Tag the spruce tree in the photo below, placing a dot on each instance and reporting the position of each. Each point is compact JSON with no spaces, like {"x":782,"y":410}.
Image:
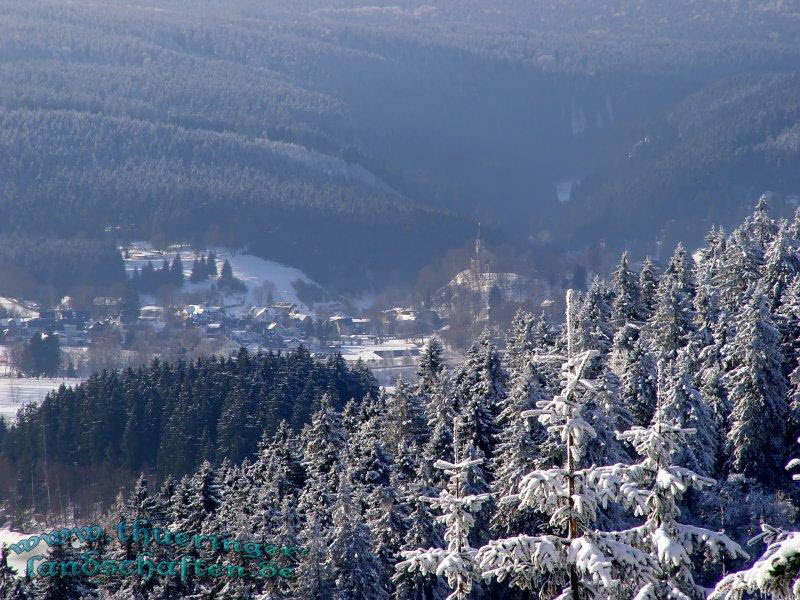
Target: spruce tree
{"x":671,"y":326}
{"x":521,"y":447}
{"x":583,"y":562}
{"x":681,"y":404}
{"x":626,"y":306}
{"x":636,"y":369}
{"x":757,"y":393}
{"x":648,"y":287}
{"x":176,"y":271}
{"x":457,"y":562}
{"x":357,"y":571}
{"x":660,"y":484}
{"x":431,"y":370}
{"x":12,"y":587}
{"x":323,"y":445}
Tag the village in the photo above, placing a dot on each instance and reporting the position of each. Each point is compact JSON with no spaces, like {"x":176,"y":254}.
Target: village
{"x":248,"y":302}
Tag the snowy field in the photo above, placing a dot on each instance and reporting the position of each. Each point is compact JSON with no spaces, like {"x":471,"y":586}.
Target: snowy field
{"x":18,"y":309}
{"x":252,"y":270}
{"x":18,"y":560}
{"x":16,"y":392}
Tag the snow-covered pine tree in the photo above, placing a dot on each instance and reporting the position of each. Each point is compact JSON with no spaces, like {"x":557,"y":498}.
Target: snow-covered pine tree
{"x":626,"y":307}
{"x":757,"y":393}
{"x":781,"y":266}
{"x":593,"y":328}
{"x":741,"y":268}
{"x":759,"y":226}
{"x":315,"y":579}
{"x":368,"y":462}
{"x":636,"y":369}
{"x":356,"y":570}
{"x":62,"y":586}
{"x":422,"y":532}
{"x":519,"y":342}
{"x":480,"y":392}
{"x":405,"y":420}
{"x":12,"y":587}
{"x":522,"y":446}
{"x":456,"y":563}
{"x":648,"y":288}
{"x":274,"y":475}
{"x":787,"y":319}
{"x":655,"y":492}
{"x":672,"y":323}
{"x":386,"y":515}
{"x":583,"y":562}
{"x":680,"y":271}
{"x":323,"y":445}
{"x":431,"y":370}
{"x":479,"y":388}
{"x":681,"y":404}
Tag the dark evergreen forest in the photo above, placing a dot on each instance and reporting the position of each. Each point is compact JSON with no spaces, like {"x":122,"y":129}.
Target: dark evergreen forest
{"x":45,"y":269}
{"x":165,"y":418}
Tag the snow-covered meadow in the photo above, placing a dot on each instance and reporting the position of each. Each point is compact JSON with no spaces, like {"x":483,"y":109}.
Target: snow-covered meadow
{"x":16,"y":392}
{"x":252,"y":270}
{"x":17,"y":561}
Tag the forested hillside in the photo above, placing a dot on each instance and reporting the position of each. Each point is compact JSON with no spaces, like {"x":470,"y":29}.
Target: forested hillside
{"x":166,"y":418}
{"x":45,"y":269}
{"x":376,"y":133}
{"x":631,"y":452}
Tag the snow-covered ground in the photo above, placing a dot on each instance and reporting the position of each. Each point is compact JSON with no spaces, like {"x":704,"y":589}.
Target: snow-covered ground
{"x":252,"y":270}
{"x":16,"y":392}
{"x":18,"y":560}
{"x":17,"y":308}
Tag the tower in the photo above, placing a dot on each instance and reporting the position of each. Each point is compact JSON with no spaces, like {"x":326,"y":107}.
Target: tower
{"x":476,"y":264}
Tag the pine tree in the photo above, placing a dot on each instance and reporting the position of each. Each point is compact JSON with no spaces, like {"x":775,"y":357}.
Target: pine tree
{"x":659,"y":486}
{"x":593,"y":328}
{"x":357,"y":571}
{"x":521,"y":447}
{"x":681,"y":404}
{"x":480,"y":392}
{"x":314,"y":574}
{"x":176,"y":271}
{"x":626,"y":307}
{"x":776,"y":573}
{"x":519,"y":342}
{"x":12,"y":587}
{"x":62,"y":586}
{"x":680,"y":271}
{"x":781,"y":266}
{"x":323,"y":445}
{"x":386,"y":516}
{"x":636,"y":369}
{"x":759,"y":226}
{"x":479,"y":387}
{"x":585,"y":561}
{"x":226,"y":274}
{"x":405,"y":420}
{"x":741,"y":268}
{"x":456,"y":563}
{"x":198,"y":272}
{"x":671,"y":326}
{"x":211,"y":264}
{"x":648,"y":287}
{"x":757,"y":391}
{"x":422,"y":532}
